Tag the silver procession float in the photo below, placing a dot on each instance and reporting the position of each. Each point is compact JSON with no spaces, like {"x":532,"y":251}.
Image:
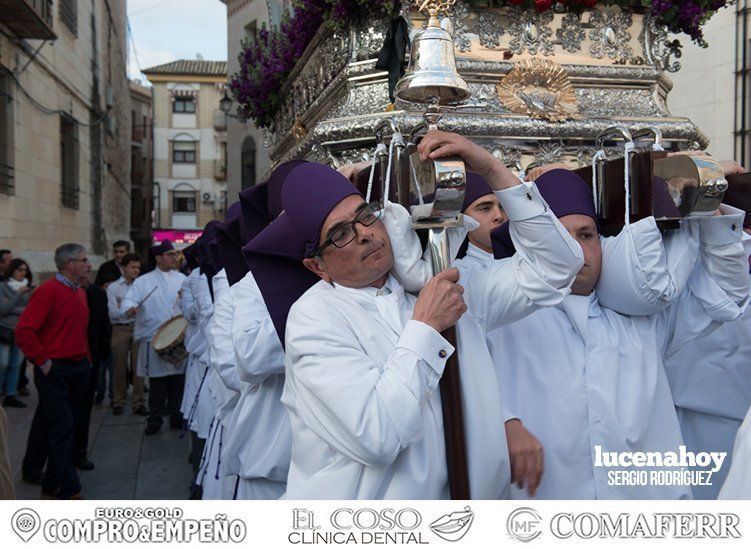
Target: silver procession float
{"x":533,"y":88}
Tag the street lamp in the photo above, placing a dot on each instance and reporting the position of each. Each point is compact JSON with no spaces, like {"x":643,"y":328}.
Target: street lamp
{"x":225,"y":104}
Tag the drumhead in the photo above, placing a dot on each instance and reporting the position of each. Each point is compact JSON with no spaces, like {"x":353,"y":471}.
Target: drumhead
{"x":169,"y":332}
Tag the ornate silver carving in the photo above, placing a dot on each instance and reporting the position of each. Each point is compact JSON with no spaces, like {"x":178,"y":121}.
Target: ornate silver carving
{"x":570,"y":34}
{"x":367,"y":40}
{"x":550,"y":152}
{"x":531,"y":32}
{"x":610,"y":35}
{"x":614,"y":102}
{"x":340,"y":100}
{"x":489,"y":30}
{"x":658,"y":49}
{"x":461,"y":26}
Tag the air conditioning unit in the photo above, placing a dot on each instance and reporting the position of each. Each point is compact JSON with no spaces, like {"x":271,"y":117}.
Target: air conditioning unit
{"x":207,"y":198}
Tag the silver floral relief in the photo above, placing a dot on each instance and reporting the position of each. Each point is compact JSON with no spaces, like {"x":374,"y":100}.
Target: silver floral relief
{"x":485,"y":94}
{"x":615,"y":102}
{"x":367,"y":99}
{"x":367,"y":40}
{"x":610,"y":35}
{"x":461,"y":27}
{"x":549,"y":152}
{"x":488,"y":29}
{"x":530,"y":32}
{"x":658,"y":49}
{"x":571,"y":34}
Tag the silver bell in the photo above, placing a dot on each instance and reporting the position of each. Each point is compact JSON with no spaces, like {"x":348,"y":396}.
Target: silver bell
{"x":431,"y":76}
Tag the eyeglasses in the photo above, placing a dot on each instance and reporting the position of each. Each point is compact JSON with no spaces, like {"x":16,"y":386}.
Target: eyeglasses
{"x":346,"y":233}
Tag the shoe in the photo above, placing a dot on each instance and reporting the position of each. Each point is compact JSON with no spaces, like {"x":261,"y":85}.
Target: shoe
{"x":32,"y":477}
{"x":48,"y":495}
{"x":98,"y":400}
{"x":13,"y":402}
{"x":23,"y":391}
{"x":152,"y":428}
{"x":85,"y":465}
{"x":76,"y":496}
{"x":141,"y":411}
{"x":117,"y":410}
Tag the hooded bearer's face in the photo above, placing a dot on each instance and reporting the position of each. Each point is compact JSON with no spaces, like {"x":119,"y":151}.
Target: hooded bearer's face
{"x":365,"y":261}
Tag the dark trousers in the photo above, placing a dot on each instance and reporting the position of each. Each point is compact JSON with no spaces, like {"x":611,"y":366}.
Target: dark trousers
{"x":36,"y":448}
{"x":165,"y":396}
{"x":81,"y":448}
{"x":61,"y":399}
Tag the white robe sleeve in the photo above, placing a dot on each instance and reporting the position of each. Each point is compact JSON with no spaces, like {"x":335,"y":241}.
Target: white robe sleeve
{"x":411,"y":265}
{"x":644,"y":270}
{"x":717,"y":289}
{"x":131,"y":297}
{"x":220,"y":342}
{"x":187,"y":301}
{"x":258,"y":351}
{"x":367,"y":411}
{"x":543,"y":268}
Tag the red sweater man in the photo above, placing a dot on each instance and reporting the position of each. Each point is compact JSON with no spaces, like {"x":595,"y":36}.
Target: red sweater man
{"x":54,"y":324}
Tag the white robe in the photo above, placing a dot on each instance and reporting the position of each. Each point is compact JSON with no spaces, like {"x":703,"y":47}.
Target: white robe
{"x":259,"y":446}
{"x":190,"y":311}
{"x":598,"y":376}
{"x":160,"y":306}
{"x":196,"y":397}
{"x":362,"y":377}
{"x":738,"y":482}
{"x":710,"y":379}
{"x":224,"y":387}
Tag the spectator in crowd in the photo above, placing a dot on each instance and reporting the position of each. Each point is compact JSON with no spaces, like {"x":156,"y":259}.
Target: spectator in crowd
{"x":15,"y":291}
{"x":109,"y":271}
{"x":6,"y":256}
{"x":99,"y":337}
{"x":124,"y":348}
{"x":52,"y":332}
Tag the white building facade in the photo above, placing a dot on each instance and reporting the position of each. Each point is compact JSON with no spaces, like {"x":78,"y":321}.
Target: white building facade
{"x":190,"y":147}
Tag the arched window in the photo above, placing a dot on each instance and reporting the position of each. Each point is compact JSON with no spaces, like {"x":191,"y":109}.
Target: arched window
{"x":183,"y":149}
{"x":248,"y":163}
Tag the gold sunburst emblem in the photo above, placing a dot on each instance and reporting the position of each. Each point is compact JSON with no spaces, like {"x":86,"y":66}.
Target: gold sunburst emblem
{"x":540,"y":89}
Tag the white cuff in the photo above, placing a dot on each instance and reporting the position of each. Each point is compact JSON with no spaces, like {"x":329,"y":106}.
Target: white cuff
{"x":426,"y":343}
{"x":521,"y":202}
{"x":721,"y":230}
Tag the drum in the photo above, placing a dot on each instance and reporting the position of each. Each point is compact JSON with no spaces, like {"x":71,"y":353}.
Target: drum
{"x":169,"y":341}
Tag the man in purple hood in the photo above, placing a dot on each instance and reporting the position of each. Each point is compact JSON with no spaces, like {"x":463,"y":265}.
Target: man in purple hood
{"x":364,"y":357}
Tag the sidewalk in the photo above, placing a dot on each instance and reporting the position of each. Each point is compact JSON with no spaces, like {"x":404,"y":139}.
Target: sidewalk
{"x":129,"y":465}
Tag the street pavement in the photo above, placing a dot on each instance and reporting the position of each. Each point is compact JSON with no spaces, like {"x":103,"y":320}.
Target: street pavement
{"x":128,"y":464}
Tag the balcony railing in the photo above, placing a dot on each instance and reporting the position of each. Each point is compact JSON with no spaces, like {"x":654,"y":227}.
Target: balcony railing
{"x":28,"y":18}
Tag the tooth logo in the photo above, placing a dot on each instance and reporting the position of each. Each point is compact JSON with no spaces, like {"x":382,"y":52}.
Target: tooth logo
{"x":25,"y":523}
{"x":454,"y":526}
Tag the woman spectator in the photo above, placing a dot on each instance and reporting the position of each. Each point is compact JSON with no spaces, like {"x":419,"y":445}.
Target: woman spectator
{"x":15,"y":291}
